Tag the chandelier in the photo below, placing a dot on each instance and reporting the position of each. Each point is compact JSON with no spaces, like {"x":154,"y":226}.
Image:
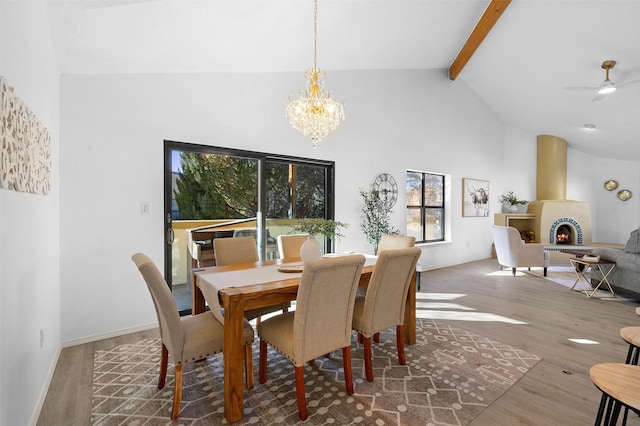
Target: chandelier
{"x":312,"y":111}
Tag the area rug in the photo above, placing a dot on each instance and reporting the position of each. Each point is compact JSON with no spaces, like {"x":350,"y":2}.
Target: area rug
{"x":450,"y":377}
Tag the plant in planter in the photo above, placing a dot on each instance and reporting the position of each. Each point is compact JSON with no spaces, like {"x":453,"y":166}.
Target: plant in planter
{"x":375,"y":218}
{"x":510,"y":202}
{"x":311,"y":249}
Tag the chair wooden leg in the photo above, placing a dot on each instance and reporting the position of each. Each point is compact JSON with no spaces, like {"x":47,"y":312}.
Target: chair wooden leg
{"x":258,"y":320}
{"x":361,"y":338}
{"x":164,"y":360}
{"x":348,"y":372}
{"x":262,"y":368}
{"x":376,"y":337}
{"x":400,"y":344}
{"x":248,"y":365}
{"x":368,"y":361}
{"x":302,"y":402}
{"x":177,"y":392}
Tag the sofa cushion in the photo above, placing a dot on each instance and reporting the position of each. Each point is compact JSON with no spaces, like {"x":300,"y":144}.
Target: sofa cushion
{"x":633,"y":245}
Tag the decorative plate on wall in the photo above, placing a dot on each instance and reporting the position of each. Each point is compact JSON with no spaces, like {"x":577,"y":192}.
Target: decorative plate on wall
{"x":624,"y":194}
{"x":610,"y":185}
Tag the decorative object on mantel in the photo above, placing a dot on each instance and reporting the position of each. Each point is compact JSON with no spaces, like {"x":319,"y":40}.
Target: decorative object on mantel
{"x":510,"y":203}
{"x":610,"y":185}
{"x":311,"y":249}
{"x":624,"y":194}
{"x":313,"y":112}
{"x":25,"y":151}
{"x":375,"y":217}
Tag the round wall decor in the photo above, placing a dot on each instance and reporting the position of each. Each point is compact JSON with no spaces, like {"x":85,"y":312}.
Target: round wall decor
{"x":624,"y":194}
{"x":610,"y":185}
{"x":387,"y":189}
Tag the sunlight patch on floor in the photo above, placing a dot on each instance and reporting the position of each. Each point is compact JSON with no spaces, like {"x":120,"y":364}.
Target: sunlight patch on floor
{"x":584,"y":341}
{"x":465,"y":316}
{"x":439,"y":296}
{"x":441,"y":305}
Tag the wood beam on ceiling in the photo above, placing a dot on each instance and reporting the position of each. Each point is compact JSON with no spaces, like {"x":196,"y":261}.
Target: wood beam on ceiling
{"x":487,"y":21}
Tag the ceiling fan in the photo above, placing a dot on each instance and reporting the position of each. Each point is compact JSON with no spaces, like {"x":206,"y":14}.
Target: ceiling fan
{"x":607,"y":85}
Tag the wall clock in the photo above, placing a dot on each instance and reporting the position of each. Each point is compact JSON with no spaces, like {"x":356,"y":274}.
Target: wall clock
{"x":387,"y":189}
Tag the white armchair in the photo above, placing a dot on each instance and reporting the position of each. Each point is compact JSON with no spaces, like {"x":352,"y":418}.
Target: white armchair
{"x":513,"y":253}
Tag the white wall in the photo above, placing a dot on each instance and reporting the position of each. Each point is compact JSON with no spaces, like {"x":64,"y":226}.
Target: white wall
{"x":113,"y":129}
{"x":29,"y":225}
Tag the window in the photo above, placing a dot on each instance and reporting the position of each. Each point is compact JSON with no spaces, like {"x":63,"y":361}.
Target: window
{"x":426,"y":206}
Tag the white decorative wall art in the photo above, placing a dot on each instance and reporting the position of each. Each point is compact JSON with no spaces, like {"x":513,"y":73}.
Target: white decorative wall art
{"x":25,"y":146}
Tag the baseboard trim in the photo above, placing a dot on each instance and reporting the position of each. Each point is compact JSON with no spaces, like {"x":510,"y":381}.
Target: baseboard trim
{"x":109,"y":335}
{"x":45,"y":388}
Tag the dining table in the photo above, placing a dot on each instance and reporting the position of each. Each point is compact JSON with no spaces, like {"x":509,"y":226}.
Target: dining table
{"x":249,"y":286}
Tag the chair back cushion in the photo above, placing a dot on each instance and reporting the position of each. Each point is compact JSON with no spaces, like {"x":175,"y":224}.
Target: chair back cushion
{"x":171,"y":330}
{"x":324,"y":306}
{"x":385,"y":301}
{"x":289,"y":245}
{"x":391,"y":242}
{"x":236,"y":250}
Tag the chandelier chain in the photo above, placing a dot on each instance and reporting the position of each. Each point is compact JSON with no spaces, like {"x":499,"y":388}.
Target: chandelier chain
{"x":315,"y":34}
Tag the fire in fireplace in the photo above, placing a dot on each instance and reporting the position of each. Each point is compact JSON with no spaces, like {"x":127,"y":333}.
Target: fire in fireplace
{"x":563,"y":235}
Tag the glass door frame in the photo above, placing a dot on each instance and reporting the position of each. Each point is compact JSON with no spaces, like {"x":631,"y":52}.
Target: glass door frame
{"x":263,"y":159}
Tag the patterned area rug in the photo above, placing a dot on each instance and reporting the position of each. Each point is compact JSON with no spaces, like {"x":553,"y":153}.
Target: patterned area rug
{"x":451,"y":376}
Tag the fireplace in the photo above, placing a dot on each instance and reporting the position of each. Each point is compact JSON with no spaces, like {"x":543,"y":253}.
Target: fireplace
{"x":558,"y":221}
{"x":564,"y":235}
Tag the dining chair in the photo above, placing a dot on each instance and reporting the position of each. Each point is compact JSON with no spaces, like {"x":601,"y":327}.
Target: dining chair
{"x":238,"y":250}
{"x":391,"y":242}
{"x":289,"y":245}
{"x":189,"y":338}
{"x":321,"y":322}
{"x":384,"y":303}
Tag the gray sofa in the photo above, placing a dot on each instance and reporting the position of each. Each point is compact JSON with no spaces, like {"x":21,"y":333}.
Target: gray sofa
{"x":625,"y":278}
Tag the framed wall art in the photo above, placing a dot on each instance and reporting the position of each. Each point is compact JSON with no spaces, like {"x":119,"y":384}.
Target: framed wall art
{"x":475,"y":198}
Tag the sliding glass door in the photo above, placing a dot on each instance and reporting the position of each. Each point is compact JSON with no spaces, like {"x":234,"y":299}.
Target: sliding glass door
{"x":213,"y":192}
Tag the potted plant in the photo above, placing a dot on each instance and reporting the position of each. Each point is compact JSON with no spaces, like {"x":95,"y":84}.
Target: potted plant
{"x":510,"y":203}
{"x":311,"y":249}
{"x":375,"y":218}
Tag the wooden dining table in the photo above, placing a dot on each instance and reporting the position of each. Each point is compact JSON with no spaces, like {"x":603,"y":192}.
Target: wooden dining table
{"x":256,"y":285}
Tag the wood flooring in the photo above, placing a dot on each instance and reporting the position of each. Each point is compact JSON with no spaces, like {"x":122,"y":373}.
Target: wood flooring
{"x":526,"y":311}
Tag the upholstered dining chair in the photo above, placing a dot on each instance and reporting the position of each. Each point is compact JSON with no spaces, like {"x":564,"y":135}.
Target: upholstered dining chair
{"x":289,"y":245}
{"x":189,"y":338}
{"x":321,"y":322}
{"x":514,"y":253}
{"x":237,"y":250}
{"x":384,"y":303}
{"x":391,"y":242}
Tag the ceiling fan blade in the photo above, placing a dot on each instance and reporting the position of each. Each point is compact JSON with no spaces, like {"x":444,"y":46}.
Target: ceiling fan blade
{"x":599,"y":96}
{"x":628,"y":82}
{"x":580,"y":88}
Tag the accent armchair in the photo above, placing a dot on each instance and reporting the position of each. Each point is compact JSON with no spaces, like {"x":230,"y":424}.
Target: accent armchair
{"x":514,"y":253}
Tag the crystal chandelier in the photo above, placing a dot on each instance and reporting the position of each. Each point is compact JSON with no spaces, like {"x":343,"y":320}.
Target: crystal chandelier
{"x":313,"y":111}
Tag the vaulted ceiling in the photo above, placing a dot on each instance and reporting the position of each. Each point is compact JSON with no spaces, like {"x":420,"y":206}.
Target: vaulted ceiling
{"x":521,"y":70}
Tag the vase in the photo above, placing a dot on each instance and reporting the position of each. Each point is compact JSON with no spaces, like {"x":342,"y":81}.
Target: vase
{"x":509,"y":208}
{"x":311,"y":249}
